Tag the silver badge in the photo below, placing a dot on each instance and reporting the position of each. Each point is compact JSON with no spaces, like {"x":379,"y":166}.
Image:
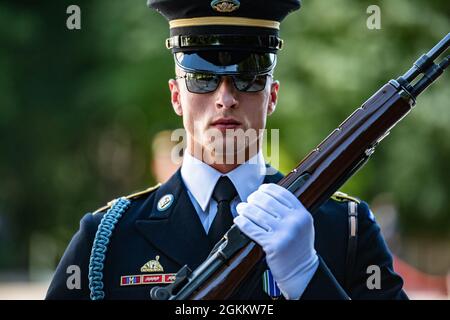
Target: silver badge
{"x":165,"y":202}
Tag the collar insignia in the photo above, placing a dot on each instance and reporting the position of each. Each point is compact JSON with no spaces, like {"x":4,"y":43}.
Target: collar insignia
{"x":165,"y":202}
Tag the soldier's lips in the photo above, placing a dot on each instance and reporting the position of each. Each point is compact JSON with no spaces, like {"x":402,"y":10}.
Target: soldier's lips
{"x":226,"y":123}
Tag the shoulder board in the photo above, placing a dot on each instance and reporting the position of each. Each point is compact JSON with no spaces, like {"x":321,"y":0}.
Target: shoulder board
{"x":341,"y":196}
{"x":130,"y":196}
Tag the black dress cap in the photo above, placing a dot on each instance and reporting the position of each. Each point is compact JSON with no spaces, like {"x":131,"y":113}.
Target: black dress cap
{"x":240,"y":28}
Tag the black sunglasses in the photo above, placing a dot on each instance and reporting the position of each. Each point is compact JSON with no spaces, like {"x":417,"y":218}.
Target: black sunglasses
{"x":208,"y":82}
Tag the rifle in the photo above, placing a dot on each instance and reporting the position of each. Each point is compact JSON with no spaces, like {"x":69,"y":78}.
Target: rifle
{"x":326,"y":168}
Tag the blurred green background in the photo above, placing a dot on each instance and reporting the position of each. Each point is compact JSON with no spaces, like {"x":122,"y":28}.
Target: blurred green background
{"x":79,"y":110}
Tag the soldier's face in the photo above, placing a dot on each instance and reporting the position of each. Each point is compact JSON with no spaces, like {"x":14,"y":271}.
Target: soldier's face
{"x":223,"y":118}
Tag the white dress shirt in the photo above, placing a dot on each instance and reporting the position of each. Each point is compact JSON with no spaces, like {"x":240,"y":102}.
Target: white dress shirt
{"x":200,"y":180}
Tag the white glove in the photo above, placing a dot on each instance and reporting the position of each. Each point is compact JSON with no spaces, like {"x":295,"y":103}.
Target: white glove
{"x":275,"y":219}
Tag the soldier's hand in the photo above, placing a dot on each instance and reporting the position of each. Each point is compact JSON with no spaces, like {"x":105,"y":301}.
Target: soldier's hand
{"x":275,"y":219}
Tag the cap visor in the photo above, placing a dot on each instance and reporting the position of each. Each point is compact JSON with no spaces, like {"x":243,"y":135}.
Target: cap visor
{"x":226,"y":62}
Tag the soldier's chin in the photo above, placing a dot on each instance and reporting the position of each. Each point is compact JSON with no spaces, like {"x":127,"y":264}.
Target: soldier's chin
{"x":231,"y":150}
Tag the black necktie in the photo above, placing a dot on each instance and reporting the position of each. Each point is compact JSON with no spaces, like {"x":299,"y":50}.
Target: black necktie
{"x":223,"y":193}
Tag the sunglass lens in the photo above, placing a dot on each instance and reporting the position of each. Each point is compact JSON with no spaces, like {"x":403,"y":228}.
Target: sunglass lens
{"x":250,"y":83}
{"x":201,"y":83}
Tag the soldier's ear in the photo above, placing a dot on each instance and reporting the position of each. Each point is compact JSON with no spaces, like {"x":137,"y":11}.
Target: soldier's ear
{"x":274,"y":87}
{"x":175,"y":97}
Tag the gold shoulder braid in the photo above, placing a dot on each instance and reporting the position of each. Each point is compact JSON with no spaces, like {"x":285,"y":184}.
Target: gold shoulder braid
{"x":341,"y":196}
{"x":131,"y":196}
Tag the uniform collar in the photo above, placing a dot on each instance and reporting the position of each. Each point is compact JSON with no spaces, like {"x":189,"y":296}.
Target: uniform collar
{"x":200,"y":178}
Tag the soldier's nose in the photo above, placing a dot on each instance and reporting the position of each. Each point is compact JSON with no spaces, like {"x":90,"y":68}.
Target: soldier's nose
{"x":226,"y":94}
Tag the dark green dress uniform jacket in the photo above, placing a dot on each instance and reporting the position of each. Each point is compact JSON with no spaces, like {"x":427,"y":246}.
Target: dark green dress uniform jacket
{"x":177,"y":236}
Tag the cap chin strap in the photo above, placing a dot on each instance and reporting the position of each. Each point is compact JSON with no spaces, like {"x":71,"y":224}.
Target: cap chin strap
{"x":262,"y":42}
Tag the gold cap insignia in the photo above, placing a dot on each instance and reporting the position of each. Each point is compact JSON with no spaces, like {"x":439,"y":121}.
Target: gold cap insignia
{"x":225,"y":5}
{"x":152,"y":266}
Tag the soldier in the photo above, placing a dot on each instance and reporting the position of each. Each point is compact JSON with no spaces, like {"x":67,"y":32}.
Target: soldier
{"x":225,"y":55}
